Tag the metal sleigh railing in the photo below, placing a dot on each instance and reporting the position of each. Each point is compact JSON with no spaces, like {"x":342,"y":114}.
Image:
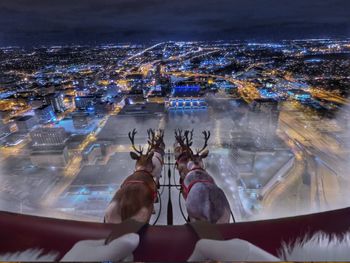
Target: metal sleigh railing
{"x":168,"y":173}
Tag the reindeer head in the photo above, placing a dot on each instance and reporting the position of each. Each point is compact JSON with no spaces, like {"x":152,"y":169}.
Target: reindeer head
{"x":197,"y":158}
{"x":156,"y":139}
{"x":160,"y":139}
{"x":143,"y":161}
{"x":183,"y":143}
{"x":182,"y":150}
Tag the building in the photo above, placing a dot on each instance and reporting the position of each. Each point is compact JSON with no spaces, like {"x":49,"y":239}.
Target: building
{"x":84,"y":102}
{"x":45,"y":114}
{"x":48,"y":136}
{"x":48,"y":147}
{"x":186,"y":97}
{"x":104,"y":107}
{"x":50,"y":156}
{"x":26,"y":123}
{"x":92,"y":153}
{"x":82,"y":91}
{"x":263,"y":121}
{"x":56,"y":101}
{"x":143,"y":109}
{"x":81,"y":120}
{"x":155,"y":94}
{"x":299,"y":94}
{"x":106,"y":148}
{"x":135,"y":96}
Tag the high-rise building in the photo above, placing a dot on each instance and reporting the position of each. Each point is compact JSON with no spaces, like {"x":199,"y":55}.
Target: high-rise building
{"x":48,"y":136}
{"x":56,"y":101}
{"x":84,"y":101}
{"x":45,"y":114}
{"x":263,"y":121}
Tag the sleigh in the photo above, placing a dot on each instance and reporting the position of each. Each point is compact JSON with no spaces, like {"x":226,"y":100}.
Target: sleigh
{"x":163,"y":243}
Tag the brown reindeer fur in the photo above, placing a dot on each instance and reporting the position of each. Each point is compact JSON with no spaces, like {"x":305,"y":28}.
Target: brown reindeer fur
{"x":134,"y":196}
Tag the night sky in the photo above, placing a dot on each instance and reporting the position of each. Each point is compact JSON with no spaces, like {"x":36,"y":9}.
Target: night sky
{"x":35,"y":22}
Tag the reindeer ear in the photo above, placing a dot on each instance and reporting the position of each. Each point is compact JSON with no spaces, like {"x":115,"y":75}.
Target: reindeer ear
{"x":204,"y":154}
{"x":134,"y":156}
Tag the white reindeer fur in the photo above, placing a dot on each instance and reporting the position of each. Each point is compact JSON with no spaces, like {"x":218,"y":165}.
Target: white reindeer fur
{"x":84,"y":250}
{"x":319,"y":247}
{"x":158,"y":166}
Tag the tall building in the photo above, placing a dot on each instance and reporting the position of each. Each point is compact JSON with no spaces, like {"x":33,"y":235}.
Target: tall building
{"x":263,"y":121}
{"x":56,"y":101}
{"x":45,"y":114}
{"x":84,"y":101}
{"x":48,"y":136}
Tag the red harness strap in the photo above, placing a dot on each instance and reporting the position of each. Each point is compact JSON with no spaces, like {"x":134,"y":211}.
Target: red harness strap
{"x":195,"y":169}
{"x":186,"y":189}
{"x":144,"y":171}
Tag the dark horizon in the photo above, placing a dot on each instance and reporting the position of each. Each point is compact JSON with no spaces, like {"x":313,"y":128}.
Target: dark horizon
{"x":95,"y":22}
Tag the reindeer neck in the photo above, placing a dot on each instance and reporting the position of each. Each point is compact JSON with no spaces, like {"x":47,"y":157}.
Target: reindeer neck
{"x":196,"y":168}
{"x":143,"y":170}
{"x":159,"y":150}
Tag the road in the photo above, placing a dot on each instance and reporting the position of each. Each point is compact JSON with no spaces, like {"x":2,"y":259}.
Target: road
{"x":321,"y":156}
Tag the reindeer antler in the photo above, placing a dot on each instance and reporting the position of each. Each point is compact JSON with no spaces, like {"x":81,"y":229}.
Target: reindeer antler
{"x":160,"y":133}
{"x":151,"y":136}
{"x":151,"y":140}
{"x":206,"y":138}
{"x":179,"y":137}
{"x":189,"y":139}
{"x":132,"y":139}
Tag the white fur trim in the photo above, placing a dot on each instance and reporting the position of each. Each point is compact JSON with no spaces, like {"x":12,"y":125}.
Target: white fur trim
{"x":319,"y":247}
{"x":229,"y":250}
{"x":95,"y":250}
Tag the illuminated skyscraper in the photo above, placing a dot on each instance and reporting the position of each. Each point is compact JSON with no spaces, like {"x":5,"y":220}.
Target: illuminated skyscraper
{"x":56,"y":101}
{"x":45,"y":114}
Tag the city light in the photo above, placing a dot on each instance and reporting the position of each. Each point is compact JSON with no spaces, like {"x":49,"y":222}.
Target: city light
{"x":277,"y":113}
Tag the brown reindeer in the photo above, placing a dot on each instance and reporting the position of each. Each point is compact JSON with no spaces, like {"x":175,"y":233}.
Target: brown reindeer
{"x":182,"y":151}
{"x":156,"y":140}
{"x":137,"y":194}
{"x":205,"y":201}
